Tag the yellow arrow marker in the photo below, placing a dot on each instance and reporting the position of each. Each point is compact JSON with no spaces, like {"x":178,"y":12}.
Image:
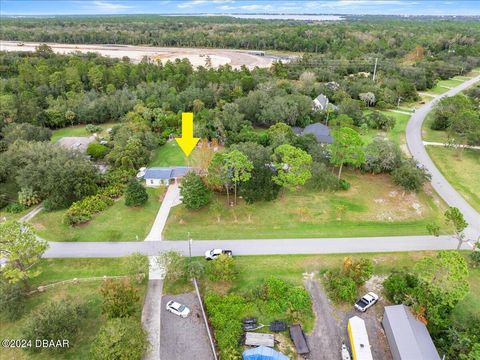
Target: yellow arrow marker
{"x":187,"y":142}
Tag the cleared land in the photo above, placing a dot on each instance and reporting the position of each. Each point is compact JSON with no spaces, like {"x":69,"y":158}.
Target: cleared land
{"x":373,"y":206}
{"x":78,"y":130}
{"x":462,"y":170}
{"x":117,"y":223}
{"x":396,"y":134}
{"x":87,"y":292}
{"x":197,"y":56}
{"x":253,"y":270}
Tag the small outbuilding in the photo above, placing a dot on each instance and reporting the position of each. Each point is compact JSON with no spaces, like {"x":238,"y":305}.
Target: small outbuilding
{"x":263,"y":353}
{"x":259,"y":339}
{"x":408,"y":338}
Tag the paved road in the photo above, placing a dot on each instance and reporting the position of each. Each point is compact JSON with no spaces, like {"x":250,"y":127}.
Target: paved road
{"x":254,"y":247}
{"x":439,"y":183}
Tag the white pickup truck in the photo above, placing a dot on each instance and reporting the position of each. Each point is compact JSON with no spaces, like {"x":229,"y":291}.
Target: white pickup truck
{"x":366,"y":301}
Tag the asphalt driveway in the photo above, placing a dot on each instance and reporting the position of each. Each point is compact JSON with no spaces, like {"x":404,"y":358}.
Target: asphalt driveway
{"x":183,"y":339}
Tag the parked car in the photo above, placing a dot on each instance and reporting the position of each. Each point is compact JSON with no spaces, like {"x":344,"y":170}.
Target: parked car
{"x":366,"y":301}
{"x":215,"y":253}
{"x":177,"y":309}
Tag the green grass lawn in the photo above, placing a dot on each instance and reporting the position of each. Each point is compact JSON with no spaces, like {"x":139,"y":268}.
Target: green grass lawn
{"x":169,"y":154}
{"x":396,"y":134}
{"x":77,"y":130}
{"x":54,"y":270}
{"x":443,"y":86}
{"x":117,"y":223}
{"x":373,"y":206}
{"x":462,"y":170}
{"x":432,"y":135}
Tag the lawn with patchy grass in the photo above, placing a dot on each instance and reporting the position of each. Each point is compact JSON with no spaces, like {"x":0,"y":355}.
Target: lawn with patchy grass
{"x":54,"y":270}
{"x":396,"y":134}
{"x":444,"y":85}
{"x":373,"y":206}
{"x":78,"y":130}
{"x":253,"y":270}
{"x":169,"y":154}
{"x":118,"y":223}
{"x":428,"y":134}
{"x":462,"y":170}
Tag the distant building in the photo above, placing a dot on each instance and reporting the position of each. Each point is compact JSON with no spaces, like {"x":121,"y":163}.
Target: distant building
{"x":408,"y":338}
{"x":321,"y":132}
{"x":158,"y":176}
{"x":320,"y":102}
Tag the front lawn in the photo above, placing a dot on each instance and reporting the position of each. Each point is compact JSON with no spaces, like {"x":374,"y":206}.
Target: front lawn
{"x":78,"y":130}
{"x":444,"y":85}
{"x":54,"y":270}
{"x":428,"y":134}
{"x":396,"y":134}
{"x":462,"y":170}
{"x":373,"y":206}
{"x":117,"y":223}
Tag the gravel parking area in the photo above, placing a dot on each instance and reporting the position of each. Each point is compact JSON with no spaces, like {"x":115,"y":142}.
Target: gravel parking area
{"x":184,"y":339}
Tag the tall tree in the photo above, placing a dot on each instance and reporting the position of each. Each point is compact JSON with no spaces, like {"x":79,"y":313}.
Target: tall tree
{"x":22,"y":250}
{"x":238,"y":167}
{"x":346,"y":148}
{"x":292,"y":165}
{"x":194,"y":192}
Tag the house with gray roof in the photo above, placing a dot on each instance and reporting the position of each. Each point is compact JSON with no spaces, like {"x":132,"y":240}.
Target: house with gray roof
{"x":320,"y":102}
{"x":408,"y":338}
{"x":321,"y":132}
{"x":158,"y":176}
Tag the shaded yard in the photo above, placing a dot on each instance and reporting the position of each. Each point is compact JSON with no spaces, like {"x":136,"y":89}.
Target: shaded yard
{"x":117,"y":223}
{"x":78,"y":130}
{"x":373,"y":206}
{"x":462,"y":170}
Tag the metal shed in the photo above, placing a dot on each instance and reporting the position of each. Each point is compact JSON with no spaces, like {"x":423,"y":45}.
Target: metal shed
{"x":408,"y":338}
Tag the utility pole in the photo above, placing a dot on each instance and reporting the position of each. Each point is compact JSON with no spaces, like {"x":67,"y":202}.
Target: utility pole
{"x":398,"y":102}
{"x":375,"y":69}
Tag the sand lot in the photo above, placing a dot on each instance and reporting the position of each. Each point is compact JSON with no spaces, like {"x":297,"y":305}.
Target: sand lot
{"x":198,"y":57}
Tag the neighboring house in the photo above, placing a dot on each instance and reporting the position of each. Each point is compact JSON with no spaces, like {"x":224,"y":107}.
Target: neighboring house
{"x":333,"y":85}
{"x":321,"y":132}
{"x":158,"y":176}
{"x":408,"y":338}
{"x":320,"y":102}
{"x":79,"y":143}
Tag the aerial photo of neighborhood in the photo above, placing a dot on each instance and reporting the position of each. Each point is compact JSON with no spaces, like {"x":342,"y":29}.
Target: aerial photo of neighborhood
{"x":240,"y":180}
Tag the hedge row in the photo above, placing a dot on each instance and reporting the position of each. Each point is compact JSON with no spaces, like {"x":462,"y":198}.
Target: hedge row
{"x":82,"y":211}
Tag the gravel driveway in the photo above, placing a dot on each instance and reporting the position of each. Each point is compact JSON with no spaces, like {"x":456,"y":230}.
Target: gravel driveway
{"x":183,"y":339}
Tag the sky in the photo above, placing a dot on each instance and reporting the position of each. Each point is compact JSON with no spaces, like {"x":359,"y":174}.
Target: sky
{"x":102,"y":7}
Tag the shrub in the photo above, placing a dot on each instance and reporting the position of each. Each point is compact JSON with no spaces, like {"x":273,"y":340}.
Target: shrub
{"x":398,"y":286}
{"x":120,"y":298}
{"x":410,"y":175}
{"x":377,"y":120}
{"x":97,"y":151}
{"x":137,"y":266}
{"x":358,"y":270}
{"x":120,"y":339}
{"x":343,"y":184}
{"x":56,"y":320}
{"x":82,"y":211}
{"x":3,"y":200}
{"x":135,"y":194}
{"x":323,"y":179}
{"x":225,"y":313}
{"x":28,"y":197}
{"x":340,"y":288}
{"x":222,"y":268}
{"x":194,"y":192}
{"x":12,"y":300}
{"x":91,"y":128}
{"x":113,"y":191}
{"x":382,"y":156}
{"x":14,"y":208}
{"x":475,"y":258}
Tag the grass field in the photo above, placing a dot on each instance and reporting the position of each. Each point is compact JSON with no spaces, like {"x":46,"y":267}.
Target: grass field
{"x":373,"y":206}
{"x":77,"y":130}
{"x":54,"y":270}
{"x":117,"y":223}
{"x":432,"y":135}
{"x":169,"y":154}
{"x":396,"y":134}
{"x":462,"y":170}
{"x":444,"y":85}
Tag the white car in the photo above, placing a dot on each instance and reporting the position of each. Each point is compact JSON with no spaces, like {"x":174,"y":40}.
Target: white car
{"x":177,"y":309}
{"x":366,"y":301}
{"x":215,"y":253}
